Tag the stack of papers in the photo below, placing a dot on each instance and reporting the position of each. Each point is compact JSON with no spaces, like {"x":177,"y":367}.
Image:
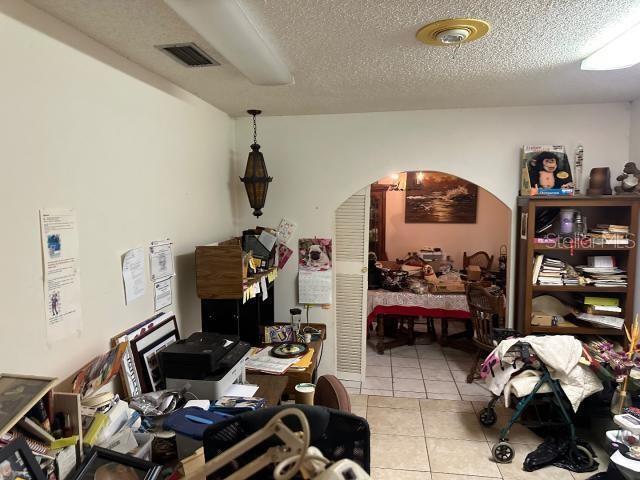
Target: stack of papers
{"x":604,"y":276}
{"x":263,"y":362}
{"x":604,"y":321}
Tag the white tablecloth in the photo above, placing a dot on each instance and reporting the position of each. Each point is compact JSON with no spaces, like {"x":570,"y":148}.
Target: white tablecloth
{"x":453,"y":301}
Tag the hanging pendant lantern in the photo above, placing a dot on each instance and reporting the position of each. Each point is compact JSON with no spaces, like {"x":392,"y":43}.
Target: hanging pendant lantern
{"x":256,"y":180}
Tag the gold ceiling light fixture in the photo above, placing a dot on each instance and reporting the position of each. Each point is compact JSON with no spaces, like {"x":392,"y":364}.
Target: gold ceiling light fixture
{"x":453,"y":31}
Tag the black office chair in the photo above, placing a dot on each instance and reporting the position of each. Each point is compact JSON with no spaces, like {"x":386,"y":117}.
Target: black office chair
{"x":336,"y":434}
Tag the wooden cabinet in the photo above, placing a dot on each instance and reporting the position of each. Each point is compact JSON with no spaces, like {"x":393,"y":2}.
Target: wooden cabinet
{"x":617,"y":210}
{"x":377,"y":220}
{"x":222,"y":289}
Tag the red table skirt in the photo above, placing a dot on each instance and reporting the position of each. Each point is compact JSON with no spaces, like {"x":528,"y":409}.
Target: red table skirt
{"x":416,"y":312}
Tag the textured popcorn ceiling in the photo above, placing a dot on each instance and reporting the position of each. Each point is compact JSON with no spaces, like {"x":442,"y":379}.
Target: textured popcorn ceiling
{"x":362,"y":55}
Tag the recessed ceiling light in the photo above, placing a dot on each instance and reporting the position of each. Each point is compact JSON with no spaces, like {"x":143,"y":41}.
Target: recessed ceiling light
{"x":622,"y":52}
{"x":453,"y":31}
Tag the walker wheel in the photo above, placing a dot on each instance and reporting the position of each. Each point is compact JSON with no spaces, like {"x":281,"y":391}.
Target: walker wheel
{"x":503,"y":452}
{"x":581,"y":456}
{"x":487,"y":417}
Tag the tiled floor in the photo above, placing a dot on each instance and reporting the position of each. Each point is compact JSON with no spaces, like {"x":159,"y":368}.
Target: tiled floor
{"x":419,"y":371}
{"x":423,"y":420}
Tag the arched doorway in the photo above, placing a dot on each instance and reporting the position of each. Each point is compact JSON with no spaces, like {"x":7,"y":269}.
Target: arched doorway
{"x":383,"y":215}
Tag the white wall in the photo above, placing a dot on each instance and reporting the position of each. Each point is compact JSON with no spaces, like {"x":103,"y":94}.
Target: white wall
{"x":634,"y":140}
{"x":319,"y":161}
{"x":138,"y":158}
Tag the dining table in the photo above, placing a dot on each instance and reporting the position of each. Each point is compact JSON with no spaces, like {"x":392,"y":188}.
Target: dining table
{"x":406,"y":306}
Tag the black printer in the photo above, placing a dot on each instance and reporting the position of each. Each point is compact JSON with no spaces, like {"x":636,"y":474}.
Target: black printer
{"x":204,"y":355}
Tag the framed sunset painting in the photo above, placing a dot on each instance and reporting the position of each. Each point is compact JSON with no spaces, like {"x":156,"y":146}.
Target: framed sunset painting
{"x":434,"y":197}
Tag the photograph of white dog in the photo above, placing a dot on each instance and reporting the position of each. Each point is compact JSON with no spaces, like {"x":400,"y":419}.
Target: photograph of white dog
{"x":315,"y":254}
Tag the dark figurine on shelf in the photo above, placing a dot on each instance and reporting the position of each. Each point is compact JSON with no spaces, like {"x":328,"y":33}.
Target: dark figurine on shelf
{"x":599,"y":181}
{"x":629,"y":179}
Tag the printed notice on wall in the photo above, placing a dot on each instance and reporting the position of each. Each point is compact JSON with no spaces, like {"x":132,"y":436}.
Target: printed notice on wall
{"x":315,"y":276}
{"x":133,"y":276}
{"x":61,"y":264}
{"x":161,"y":260}
{"x":162,"y":295}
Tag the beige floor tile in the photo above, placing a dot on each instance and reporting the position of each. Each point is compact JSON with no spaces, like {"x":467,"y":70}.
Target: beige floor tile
{"x":388,"y":474}
{"x":433,"y":364}
{"x":444,"y":396}
{"x":514,"y":471}
{"x":378,"y":360}
{"x":477,"y":398}
{"x":436,"y":374}
{"x":459,"y":364}
{"x":452,"y":425}
{"x":352,"y":391}
{"x":406,"y":372}
{"x":377,"y":383}
{"x":390,"y":402}
{"x":430,"y":405}
{"x":399,"y":452}
{"x":356,"y":399}
{"x":436,"y":386}
{"x":360,"y":410}
{"x":461,"y":457}
{"x":408,"y":384}
{"x":460,"y":375}
{"x":517,"y":434}
{"x":376,"y":392}
{"x":431,"y":347}
{"x":451,"y":476}
{"x":431,"y":354}
{"x":405,"y":362}
{"x":472,"y":389}
{"x":401,"y":394}
{"x":395,"y":421}
{"x":379,"y":371}
{"x":407,"y":351}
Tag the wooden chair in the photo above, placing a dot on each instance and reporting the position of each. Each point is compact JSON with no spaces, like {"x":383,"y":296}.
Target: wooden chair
{"x":487,"y":313}
{"x":330,"y":392}
{"x":481,"y":259}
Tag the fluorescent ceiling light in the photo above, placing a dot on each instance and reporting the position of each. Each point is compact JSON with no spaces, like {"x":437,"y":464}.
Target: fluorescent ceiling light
{"x":622,"y":52}
{"x":226,"y":26}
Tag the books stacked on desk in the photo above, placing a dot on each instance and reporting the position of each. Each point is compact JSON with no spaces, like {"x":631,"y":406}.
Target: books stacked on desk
{"x":610,"y":235}
{"x":551,"y":271}
{"x":601,"y":271}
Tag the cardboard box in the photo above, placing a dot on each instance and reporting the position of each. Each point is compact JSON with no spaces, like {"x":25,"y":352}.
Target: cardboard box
{"x":474,"y":273}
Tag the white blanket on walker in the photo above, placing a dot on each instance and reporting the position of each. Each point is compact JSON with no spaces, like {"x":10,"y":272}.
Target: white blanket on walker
{"x":561,"y":355}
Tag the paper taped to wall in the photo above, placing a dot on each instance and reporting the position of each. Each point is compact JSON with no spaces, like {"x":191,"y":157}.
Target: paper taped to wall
{"x":61,"y":273}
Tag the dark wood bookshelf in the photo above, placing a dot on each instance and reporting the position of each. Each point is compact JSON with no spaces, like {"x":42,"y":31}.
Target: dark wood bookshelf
{"x":617,"y":210}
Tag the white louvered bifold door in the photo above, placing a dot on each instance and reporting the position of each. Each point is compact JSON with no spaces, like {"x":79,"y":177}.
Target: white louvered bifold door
{"x":351,"y":260}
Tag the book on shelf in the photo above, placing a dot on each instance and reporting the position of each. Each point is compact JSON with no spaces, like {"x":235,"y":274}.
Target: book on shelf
{"x":601,"y":301}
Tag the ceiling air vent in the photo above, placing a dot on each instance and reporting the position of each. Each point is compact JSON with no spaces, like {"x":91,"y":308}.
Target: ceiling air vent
{"x":188,"y":54}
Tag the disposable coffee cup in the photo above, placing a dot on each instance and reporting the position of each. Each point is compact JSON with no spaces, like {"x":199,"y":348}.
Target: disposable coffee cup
{"x":307,"y":338}
{"x":304,"y":393}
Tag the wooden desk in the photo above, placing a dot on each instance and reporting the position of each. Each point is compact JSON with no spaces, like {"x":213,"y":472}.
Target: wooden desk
{"x":271,"y":387}
{"x":309,"y":374}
